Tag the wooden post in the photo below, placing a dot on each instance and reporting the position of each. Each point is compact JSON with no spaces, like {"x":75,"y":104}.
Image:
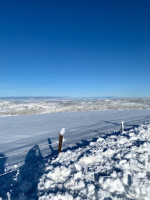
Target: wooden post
{"x":61,"y":135}
{"x":60,"y":143}
{"x":122,"y":126}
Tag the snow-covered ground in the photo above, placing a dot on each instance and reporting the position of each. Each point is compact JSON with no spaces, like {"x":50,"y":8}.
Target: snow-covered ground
{"x":112,"y":167}
{"x":20,"y":133}
{"x":97,"y":162}
{"x":109,"y":167}
{"x":23,"y":106}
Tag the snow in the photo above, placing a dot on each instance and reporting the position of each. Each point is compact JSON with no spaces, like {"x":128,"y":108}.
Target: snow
{"x":107,"y":169}
{"x":62,"y":131}
{"x":98,"y":161}
{"x":91,"y":173}
{"x":23,"y":132}
{"x":35,"y":105}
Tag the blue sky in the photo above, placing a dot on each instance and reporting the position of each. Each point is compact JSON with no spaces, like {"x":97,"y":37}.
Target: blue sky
{"x":75,"y":48}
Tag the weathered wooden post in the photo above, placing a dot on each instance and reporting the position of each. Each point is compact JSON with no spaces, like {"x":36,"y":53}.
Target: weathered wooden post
{"x":61,"y":135}
{"x":122,"y":126}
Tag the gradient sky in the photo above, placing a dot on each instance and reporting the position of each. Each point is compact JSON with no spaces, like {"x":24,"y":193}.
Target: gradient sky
{"x":75,"y":48}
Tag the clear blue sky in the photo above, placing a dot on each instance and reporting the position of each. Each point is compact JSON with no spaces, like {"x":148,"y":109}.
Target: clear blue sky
{"x":75,"y":47}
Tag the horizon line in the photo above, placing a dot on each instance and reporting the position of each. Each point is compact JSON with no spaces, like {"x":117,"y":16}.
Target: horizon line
{"x":77,"y":97}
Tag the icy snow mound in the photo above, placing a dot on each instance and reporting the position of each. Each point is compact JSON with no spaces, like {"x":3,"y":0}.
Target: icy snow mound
{"x":112,"y":168}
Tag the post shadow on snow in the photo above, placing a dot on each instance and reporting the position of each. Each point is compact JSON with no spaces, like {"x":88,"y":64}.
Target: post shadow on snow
{"x":29,"y":175}
{"x":119,"y":124}
{"x":53,"y":152}
{"x":107,"y":122}
{"x":114,"y":123}
{"x":6,"y":181}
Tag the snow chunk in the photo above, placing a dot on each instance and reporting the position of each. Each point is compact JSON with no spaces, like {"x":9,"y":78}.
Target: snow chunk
{"x":113,"y":185}
{"x":78,"y":175}
{"x":90,"y":159}
{"x":77,"y":166}
{"x":100,"y":139}
{"x":109,"y":153}
{"x":59,"y":174}
{"x":62,"y":131}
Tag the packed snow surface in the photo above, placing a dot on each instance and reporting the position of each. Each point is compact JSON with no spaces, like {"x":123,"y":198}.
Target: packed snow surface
{"x":23,"y":106}
{"x":20,"y":133}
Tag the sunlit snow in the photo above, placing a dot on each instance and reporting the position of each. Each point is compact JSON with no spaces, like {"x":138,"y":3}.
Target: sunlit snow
{"x":99,"y":160}
{"x":23,"y":106}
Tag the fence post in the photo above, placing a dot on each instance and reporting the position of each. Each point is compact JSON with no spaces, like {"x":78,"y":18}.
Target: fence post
{"x":61,"y":135}
{"x":122,"y":126}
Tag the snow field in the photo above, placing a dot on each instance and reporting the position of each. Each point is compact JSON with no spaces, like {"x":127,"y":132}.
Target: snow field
{"x":18,"y":134}
{"x":25,"y":106}
{"x":115,"y":167}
